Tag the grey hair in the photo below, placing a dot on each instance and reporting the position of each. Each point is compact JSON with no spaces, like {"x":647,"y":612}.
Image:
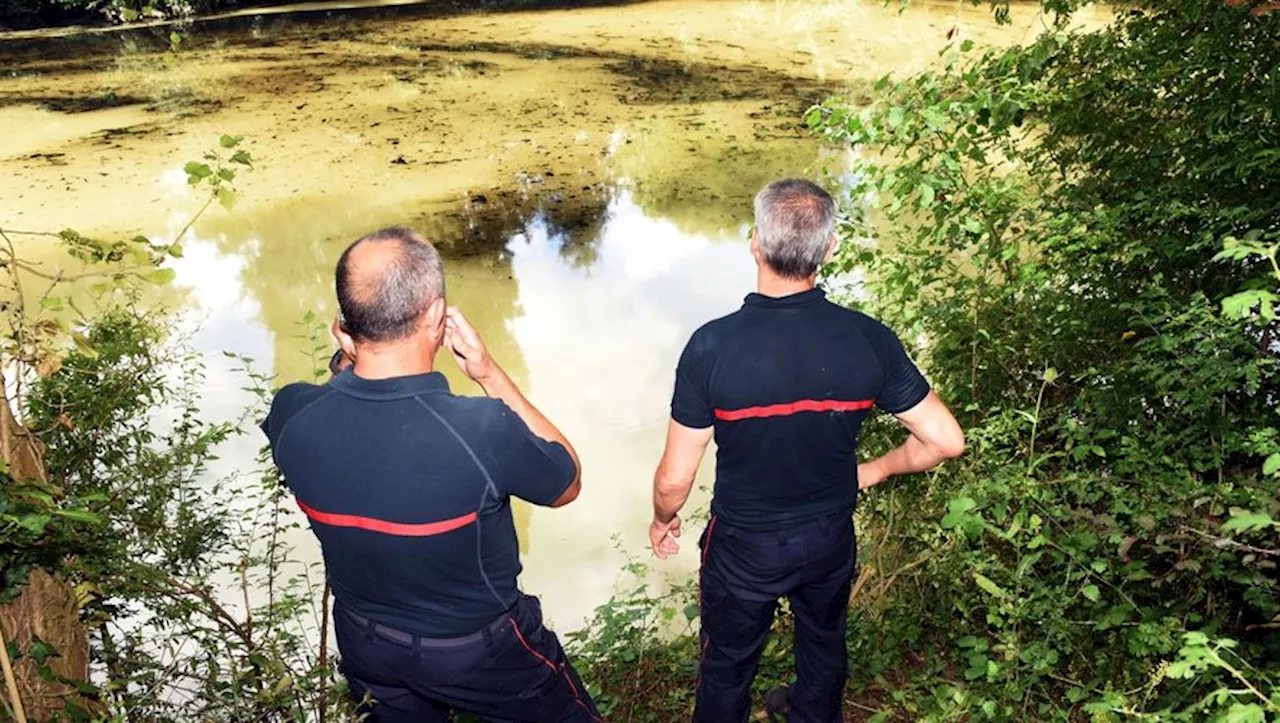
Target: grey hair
{"x":385,"y":304}
{"x":794,"y":222}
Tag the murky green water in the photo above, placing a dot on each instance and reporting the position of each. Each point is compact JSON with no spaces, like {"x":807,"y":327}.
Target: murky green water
{"x":588,"y":173}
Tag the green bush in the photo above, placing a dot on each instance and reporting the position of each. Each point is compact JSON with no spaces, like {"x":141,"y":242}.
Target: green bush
{"x":1049,"y":220}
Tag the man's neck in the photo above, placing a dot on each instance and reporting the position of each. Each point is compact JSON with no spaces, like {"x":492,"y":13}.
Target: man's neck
{"x":770,"y":284}
{"x":402,"y":359}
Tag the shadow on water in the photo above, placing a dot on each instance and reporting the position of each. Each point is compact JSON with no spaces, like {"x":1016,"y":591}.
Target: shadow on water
{"x":642,"y":80}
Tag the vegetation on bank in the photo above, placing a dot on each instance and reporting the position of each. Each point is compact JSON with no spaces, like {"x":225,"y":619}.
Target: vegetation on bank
{"x":25,"y":14}
{"x":38,"y":13}
{"x":120,"y":548}
{"x":1083,"y":235}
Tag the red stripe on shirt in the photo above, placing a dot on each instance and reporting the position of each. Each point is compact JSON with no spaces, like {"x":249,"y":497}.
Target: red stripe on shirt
{"x":783,"y":410}
{"x":388,"y":528}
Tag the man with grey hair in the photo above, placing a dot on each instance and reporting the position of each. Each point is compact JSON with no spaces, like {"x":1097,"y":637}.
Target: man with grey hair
{"x":783,"y":385}
{"x":409,"y":488}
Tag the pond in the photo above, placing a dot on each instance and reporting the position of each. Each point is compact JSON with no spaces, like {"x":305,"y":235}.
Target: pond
{"x":587,"y":171}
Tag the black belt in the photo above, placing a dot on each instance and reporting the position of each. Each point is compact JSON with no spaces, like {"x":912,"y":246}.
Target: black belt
{"x":400,"y":636}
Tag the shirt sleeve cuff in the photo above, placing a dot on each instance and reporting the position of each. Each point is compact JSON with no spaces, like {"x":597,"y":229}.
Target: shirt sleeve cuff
{"x":570,"y":471}
{"x":909,"y":400}
{"x":692,"y":421}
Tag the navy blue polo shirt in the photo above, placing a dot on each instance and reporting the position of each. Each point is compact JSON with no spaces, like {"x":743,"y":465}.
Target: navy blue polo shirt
{"x":786,"y":382}
{"x":408,"y":489}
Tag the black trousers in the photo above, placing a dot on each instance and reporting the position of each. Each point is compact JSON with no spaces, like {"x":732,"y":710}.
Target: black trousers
{"x":512,"y":671}
{"x":743,"y":575}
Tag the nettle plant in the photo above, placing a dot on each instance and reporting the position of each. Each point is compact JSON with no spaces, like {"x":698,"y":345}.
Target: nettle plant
{"x":1047,"y":221}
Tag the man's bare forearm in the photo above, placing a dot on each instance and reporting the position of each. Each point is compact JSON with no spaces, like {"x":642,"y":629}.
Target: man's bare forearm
{"x":499,"y":386}
{"x":669,"y":496}
{"x":909,"y":457}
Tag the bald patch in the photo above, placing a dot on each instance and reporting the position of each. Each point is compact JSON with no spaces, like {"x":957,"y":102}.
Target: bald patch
{"x":385,"y":282}
{"x":368,"y":263}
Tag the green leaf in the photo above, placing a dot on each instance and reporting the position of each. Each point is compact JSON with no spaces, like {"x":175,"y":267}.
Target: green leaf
{"x":989,"y":585}
{"x":226,"y":197}
{"x":241,"y":157}
{"x":80,"y":516}
{"x":966,"y":46}
{"x":1243,"y":521}
{"x":175,"y":250}
{"x":1091,"y":592}
{"x":957,"y":511}
{"x":161,"y":277}
{"x":926,"y":195}
{"x":1272,"y":465}
{"x":35,"y":524}
{"x":691,"y":612}
{"x":40,"y":651}
{"x":51,"y":303}
{"x":895,"y":117}
{"x":1243,"y":713}
{"x":197,"y":171}
{"x":84,"y":688}
{"x":83,"y":346}
{"x":227,"y":141}
{"x":1239,"y":306}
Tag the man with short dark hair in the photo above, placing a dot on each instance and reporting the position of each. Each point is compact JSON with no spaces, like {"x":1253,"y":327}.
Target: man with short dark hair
{"x":783,"y":385}
{"x":409,"y":488}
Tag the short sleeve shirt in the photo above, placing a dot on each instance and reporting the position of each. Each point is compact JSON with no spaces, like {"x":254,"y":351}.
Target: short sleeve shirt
{"x":408,"y":489}
{"x":786,"y":383}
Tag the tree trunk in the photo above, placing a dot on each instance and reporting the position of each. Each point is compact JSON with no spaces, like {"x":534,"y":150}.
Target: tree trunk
{"x":47,"y":608}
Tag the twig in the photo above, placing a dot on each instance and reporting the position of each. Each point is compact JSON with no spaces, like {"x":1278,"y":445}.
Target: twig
{"x":17,"y":232}
{"x":16,"y":700}
{"x":60,"y":277}
{"x":1230,"y":542}
{"x":248,"y":608}
{"x":322,"y":704}
{"x":215,"y":611}
{"x":192,"y":222}
{"x":905,"y":568}
{"x":867,"y":573}
{"x":860,"y":706}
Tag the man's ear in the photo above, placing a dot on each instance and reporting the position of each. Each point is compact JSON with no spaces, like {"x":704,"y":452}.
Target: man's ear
{"x":755,"y":244}
{"x":345,"y":342}
{"x":435,"y":318}
{"x":831,"y":249}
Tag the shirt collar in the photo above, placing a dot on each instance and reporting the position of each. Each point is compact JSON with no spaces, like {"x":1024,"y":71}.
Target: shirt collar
{"x":390,"y":388}
{"x":790,"y":301}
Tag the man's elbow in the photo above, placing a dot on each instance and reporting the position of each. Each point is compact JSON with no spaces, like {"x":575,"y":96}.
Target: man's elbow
{"x":667,"y":485}
{"x":570,"y":494}
{"x":952,"y":445}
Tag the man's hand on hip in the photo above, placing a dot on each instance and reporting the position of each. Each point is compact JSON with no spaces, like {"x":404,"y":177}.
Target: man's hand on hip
{"x":663,"y":537}
{"x":870,"y":474}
